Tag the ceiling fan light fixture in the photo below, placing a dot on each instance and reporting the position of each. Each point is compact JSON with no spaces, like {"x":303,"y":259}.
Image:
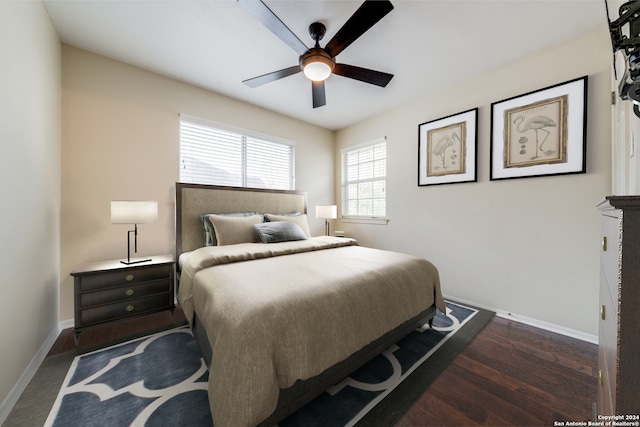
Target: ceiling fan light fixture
{"x":317,"y":65}
{"x":317,"y":71}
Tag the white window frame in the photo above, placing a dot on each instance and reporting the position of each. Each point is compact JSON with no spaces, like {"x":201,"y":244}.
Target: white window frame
{"x":346,"y":217}
{"x":245,"y":137}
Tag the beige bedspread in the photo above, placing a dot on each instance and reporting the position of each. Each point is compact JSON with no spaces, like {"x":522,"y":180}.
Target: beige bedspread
{"x":276,"y":313}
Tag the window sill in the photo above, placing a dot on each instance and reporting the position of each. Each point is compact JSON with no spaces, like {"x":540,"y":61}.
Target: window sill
{"x":375,"y":221}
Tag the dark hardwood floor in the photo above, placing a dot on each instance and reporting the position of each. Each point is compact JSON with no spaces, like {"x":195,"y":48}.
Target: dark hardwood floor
{"x":112,"y":332}
{"x":512,"y":374}
{"x":509,"y":375}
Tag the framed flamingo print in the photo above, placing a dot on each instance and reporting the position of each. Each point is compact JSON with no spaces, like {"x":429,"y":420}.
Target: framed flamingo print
{"x":540,"y":133}
{"x":447,"y":149}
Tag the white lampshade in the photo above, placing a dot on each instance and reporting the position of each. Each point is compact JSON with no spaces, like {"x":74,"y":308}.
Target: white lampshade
{"x":327,"y":212}
{"x":133,"y":212}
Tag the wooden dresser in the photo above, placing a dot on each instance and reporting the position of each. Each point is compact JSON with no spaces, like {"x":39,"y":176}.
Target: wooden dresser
{"x":109,"y":290}
{"x":619,"y":334}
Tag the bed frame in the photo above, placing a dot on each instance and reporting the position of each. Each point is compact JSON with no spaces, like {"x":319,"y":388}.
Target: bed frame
{"x":195,"y":199}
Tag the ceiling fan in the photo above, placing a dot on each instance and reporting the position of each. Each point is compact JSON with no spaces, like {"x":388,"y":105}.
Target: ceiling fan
{"x":319,"y":63}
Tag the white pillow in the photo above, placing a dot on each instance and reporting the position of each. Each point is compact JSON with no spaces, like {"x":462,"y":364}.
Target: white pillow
{"x":231,"y":230}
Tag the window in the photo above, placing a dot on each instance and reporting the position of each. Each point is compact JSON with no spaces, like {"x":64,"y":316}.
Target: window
{"x":214,"y":154}
{"x":364,"y":171}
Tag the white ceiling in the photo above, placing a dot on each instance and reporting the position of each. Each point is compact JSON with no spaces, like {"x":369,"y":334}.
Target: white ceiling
{"x":427,"y":45}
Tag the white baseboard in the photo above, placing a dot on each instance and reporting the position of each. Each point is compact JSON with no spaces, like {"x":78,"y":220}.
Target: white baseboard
{"x":66,"y":324}
{"x":541,"y":324}
{"x":9,"y":402}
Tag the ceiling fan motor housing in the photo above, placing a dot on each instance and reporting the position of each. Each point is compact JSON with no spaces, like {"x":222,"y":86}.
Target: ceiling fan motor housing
{"x":317,"y":54}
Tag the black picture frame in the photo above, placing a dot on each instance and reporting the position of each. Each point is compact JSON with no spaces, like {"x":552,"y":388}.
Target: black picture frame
{"x":448,"y":149}
{"x":540,"y":133}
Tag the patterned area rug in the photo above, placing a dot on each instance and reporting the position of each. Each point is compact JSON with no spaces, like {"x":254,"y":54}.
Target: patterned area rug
{"x":161,"y":380}
{"x":156,"y":380}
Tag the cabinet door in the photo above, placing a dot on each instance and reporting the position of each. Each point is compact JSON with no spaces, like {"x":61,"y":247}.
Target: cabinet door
{"x":607,"y":351}
{"x":610,"y":253}
{"x":608,"y":323}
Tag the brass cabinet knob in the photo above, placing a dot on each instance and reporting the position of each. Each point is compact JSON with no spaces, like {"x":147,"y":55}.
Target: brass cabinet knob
{"x":129,"y":292}
{"x":129,"y":277}
{"x":129,"y":307}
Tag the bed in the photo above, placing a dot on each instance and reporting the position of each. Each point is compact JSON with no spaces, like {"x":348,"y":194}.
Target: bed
{"x":278,"y":323}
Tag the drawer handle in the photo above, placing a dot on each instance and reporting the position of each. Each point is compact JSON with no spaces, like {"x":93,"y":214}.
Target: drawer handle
{"x":603,"y":312}
{"x":129,"y":307}
{"x":604,"y":243}
{"x":600,"y":377}
{"x":129,"y":277}
{"x":129,"y":292}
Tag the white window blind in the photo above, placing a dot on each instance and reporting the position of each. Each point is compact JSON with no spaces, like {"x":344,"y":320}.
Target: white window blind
{"x":210,"y":154}
{"x":364,"y":173}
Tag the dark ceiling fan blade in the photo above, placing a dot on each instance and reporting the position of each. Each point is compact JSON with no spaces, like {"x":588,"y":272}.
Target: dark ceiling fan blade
{"x":262,"y":13}
{"x":272,"y":77}
{"x":366,"y":75}
{"x":317,"y":91}
{"x":367,"y":15}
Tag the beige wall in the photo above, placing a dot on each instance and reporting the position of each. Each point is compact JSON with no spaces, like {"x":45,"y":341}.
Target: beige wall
{"x":30,"y":187}
{"x":526,"y":246}
{"x":120,"y":141}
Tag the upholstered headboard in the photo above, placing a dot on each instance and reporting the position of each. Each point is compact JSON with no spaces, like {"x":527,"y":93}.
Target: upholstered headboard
{"x":192,"y":200}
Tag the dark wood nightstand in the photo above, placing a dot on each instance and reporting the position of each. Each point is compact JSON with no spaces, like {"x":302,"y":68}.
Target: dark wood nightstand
{"x":109,"y":290}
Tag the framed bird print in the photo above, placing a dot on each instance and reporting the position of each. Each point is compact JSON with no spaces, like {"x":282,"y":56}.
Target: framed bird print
{"x":540,"y":133}
{"x":447,"y":149}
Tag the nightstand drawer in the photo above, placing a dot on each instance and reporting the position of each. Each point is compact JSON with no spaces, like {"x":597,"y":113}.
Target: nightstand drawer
{"x":124,"y":309}
{"x":123,"y":277}
{"x":124,"y":293}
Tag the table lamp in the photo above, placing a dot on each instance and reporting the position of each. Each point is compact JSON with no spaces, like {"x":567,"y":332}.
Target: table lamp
{"x":133,"y":212}
{"x":327,"y":212}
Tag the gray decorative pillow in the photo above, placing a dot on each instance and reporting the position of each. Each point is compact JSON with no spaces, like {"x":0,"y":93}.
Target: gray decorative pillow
{"x":209,"y":233}
{"x":301,"y":220}
{"x":279,"y":231}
